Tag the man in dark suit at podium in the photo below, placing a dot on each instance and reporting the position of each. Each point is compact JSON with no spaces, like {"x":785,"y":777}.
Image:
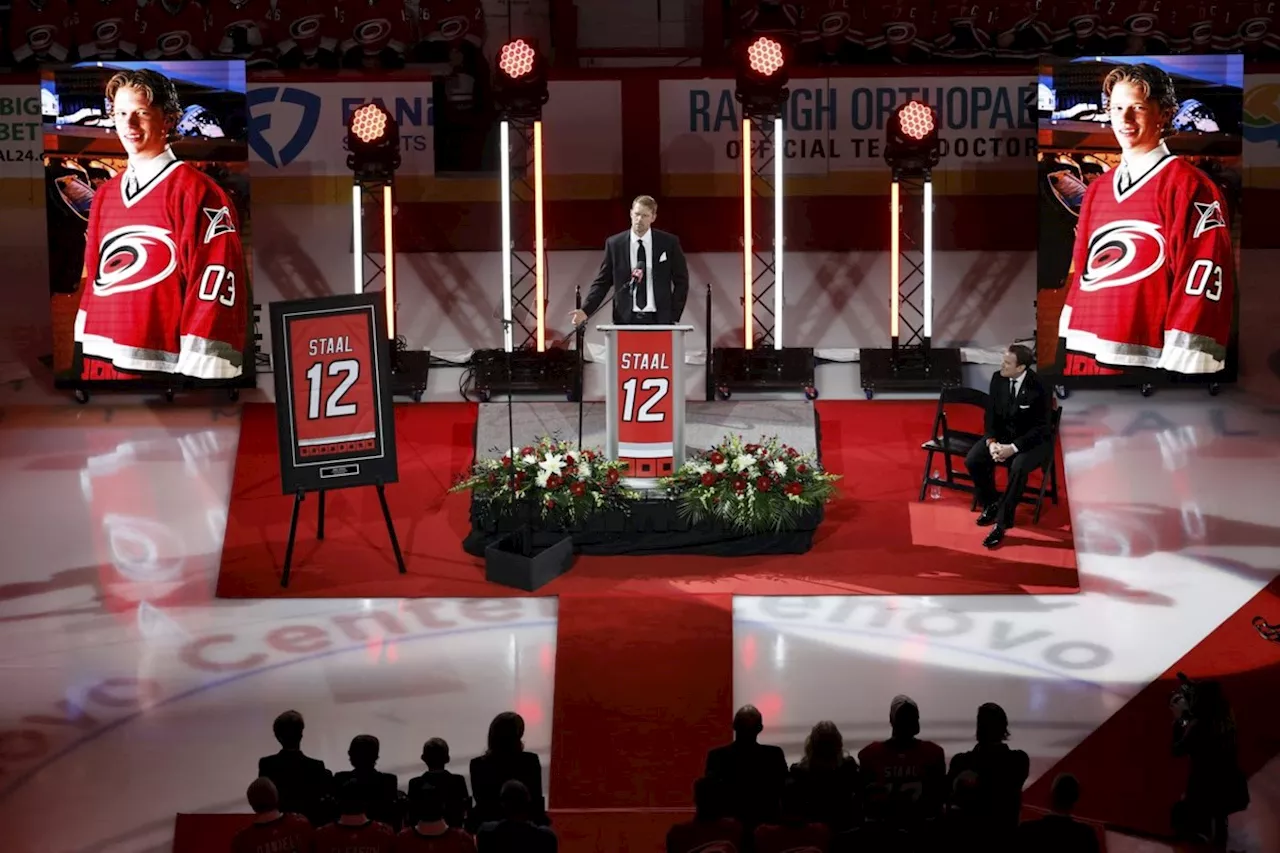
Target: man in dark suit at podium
{"x":1017,"y":428}
{"x":646,"y":271}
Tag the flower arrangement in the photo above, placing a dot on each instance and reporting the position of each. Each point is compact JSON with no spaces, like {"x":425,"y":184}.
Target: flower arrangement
{"x":755,"y":488}
{"x":564,"y":484}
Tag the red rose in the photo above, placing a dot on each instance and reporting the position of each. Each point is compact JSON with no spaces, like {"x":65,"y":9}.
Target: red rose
{"x":801,"y":469}
{"x":588,"y":455}
{"x":493,"y":478}
{"x":519,"y":477}
{"x":752,"y":448}
{"x":506,"y":460}
{"x":794,"y":489}
{"x":739,"y":485}
{"x":554,"y":482}
{"x":717,"y":458}
{"x":792,"y":452}
{"x":526,"y":451}
{"x":551,"y":504}
{"x":612,"y":476}
{"x":568,"y":460}
{"x":708,"y":479}
{"x":579,"y":489}
{"x":763,"y":483}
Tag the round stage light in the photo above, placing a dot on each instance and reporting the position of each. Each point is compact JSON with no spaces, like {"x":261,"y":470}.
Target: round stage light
{"x":916,"y":119}
{"x":369,"y":123}
{"x":516,"y":59}
{"x":765,"y":56}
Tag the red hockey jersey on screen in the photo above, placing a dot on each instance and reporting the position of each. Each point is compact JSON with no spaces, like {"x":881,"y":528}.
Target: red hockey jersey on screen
{"x":373,"y":26}
{"x":833,"y":25}
{"x":238,"y":29}
{"x":1195,"y":25}
{"x":1250,"y":29}
{"x":1023,"y":30}
{"x":1153,"y":279}
{"x":899,"y":31}
{"x":40,"y":34}
{"x":107,"y":29}
{"x":760,"y":17}
{"x":289,"y":833}
{"x":177,"y":32}
{"x":305,"y":26}
{"x":1138,"y":26}
{"x":167,"y":288}
{"x":963,"y":30}
{"x":1079,"y":28}
{"x":451,"y":21}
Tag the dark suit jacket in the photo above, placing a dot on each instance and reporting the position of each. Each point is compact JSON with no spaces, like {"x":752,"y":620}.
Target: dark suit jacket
{"x":490,"y":772}
{"x":1001,"y":774}
{"x":670,"y":279}
{"x":382,"y":790}
{"x":1027,"y":426}
{"x":515,"y":836}
{"x":452,"y":787}
{"x":754,"y":774}
{"x":301,"y":782}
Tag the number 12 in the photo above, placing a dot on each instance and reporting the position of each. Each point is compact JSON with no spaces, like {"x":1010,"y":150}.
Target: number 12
{"x":658,"y":385}
{"x":334,"y":407}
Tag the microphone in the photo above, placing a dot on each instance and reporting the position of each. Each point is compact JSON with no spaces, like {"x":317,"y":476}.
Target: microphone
{"x":636,"y":275}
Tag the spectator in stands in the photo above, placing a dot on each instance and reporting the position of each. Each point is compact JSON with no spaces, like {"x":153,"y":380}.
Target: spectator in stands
{"x":305,"y":785}
{"x":431,"y":833}
{"x":1058,"y":832}
{"x":382,"y":790}
{"x":914,"y":770}
{"x":827,"y":778}
{"x":1001,"y":772}
{"x":354,"y":829}
{"x":711,"y":828}
{"x":879,"y":832}
{"x":271,"y":829}
{"x":505,"y":759}
{"x":452,"y":787}
{"x":1204,"y":731}
{"x":793,"y":833}
{"x":752,"y":772}
{"x":516,"y":832}
{"x":962,"y":825}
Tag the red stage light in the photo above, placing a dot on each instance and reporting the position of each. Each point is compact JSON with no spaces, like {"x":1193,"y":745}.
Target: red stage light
{"x":369,"y":123}
{"x":765,"y":56}
{"x":516,"y":59}
{"x":917,"y":120}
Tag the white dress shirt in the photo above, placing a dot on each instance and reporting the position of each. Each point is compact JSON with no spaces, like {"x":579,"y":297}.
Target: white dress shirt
{"x":647,"y":240}
{"x":1134,"y":166}
{"x":139,"y":174}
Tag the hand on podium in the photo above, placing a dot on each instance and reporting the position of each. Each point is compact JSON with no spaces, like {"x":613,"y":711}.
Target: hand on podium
{"x":578,"y":316}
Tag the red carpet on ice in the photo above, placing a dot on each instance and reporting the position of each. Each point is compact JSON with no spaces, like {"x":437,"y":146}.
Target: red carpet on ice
{"x":876,"y":539}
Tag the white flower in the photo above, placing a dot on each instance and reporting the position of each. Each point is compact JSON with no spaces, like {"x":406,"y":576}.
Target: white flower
{"x":744,"y":463}
{"x":584,"y":471}
{"x":530,"y":459}
{"x":543,"y":476}
{"x":722,"y":467}
{"x":780,"y":468}
{"x":553,"y":464}
{"x":699,"y":468}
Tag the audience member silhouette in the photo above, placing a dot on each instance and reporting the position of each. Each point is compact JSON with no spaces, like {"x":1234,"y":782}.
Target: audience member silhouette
{"x":879,"y":831}
{"x":962,"y":826}
{"x":752,"y":772}
{"x":271,"y":829}
{"x":1204,"y":731}
{"x":515,"y":832}
{"x":914,"y":770}
{"x":354,"y":830}
{"x":452,"y":786}
{"x":305,"y":786}
{"x":1001,"y":773}
{"x":382,"y":790}
{"x":827,"y":778}
{"x":431,"y":833}
{"x":793,"y":833}
{"x":711,"y":828}
{"x":505,"y":760}
{"x":1058,"y":832}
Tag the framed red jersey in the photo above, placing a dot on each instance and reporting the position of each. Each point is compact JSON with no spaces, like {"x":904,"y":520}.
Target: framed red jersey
{"x":173,"y":30}
{"x":333,"y":393}
{"x":645,"y":404}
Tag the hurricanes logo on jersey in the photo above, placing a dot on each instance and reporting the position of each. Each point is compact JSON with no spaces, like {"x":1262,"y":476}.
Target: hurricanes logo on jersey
{"x":134,"y":258}
{"x":219,"y":223}
{"x":40,"y":39}
{"x":453,"y":28}
{"x":373,"y":32}
{"x":1210,"y":217}
{"x":1121,"y":253}
{"x":174,"y":43}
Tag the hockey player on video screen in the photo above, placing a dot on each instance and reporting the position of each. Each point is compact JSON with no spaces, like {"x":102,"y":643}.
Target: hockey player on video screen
{"x":166,"y":287}
{"x":1153,"y":268}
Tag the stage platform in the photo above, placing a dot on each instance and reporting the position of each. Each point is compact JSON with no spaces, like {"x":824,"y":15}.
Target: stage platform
{"x":791,"y":422}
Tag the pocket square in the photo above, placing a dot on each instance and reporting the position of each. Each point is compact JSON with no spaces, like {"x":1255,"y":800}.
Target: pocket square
{"x":1024,"y":407}
{"x":663,"y":258}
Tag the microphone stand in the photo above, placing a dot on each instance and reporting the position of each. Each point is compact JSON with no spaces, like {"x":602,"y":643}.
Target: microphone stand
{"x":524,"y":533}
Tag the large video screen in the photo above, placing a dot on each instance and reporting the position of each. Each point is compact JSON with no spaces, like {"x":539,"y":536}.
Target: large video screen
{"x":147,"y":190}
{"x":1139,"y":198}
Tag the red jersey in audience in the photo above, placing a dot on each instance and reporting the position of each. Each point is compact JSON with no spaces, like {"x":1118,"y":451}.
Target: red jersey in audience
{"x":706,"y":836}
{"x":793,"y":838}
{"x":914,"y":772}
{"x":107,"y":29}
{"x":286,"y":833}
{"x":367,"y":837}
{"x":447,"y":840}
{"x":173,"y":30}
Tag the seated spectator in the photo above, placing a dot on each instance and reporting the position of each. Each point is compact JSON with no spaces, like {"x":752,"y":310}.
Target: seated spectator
{"x":879,"y":832}
{"x":354,"y":830}
{"x":711,"y":827}
{"x":793,"y":833}
{"x":271,"y":829}
{"x":914,"y":770}
{"x":1001,"y":771}
{"x":304,"y":785}
{"x":505,"y":759}
{"x":515,"y":833}
{"x":382,"y":790}
{"x":431,"y":833}
{"x":827,"y":778}
{"x":752,"y":772}
{"x":452,"y":786}
{"x":1058,"y":832}
{"x":962,"y":825}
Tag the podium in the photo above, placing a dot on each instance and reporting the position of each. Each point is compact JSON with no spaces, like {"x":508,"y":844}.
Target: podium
{"x":644,"y":400}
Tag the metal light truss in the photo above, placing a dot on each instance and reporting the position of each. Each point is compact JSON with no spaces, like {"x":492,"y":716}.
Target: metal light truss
{"x":762,"y":269}
{"x":911,"y":262}
{"x":374,"y":195}
{"x":524,"y":295}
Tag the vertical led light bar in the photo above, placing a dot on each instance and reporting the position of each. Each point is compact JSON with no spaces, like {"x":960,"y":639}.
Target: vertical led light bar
{"x":748,"y":299}
{"x":928,"y":259}
{"x":389,"y":262}
{"x":779,"y":244}
{"x":504,"y":146}
{"x":540,"y":283}
{"x":894,"y":223}
{"x":357,"y":239}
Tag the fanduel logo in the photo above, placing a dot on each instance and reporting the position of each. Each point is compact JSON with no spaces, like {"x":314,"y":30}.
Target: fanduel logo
{"x":260,"y":120}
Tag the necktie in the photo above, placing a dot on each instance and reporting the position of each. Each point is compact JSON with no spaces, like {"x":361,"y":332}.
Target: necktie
{"x":1013,"y":396}
{"x":131,"y":185}
{"x":642,"y":288}
{"x":1125,"y":181}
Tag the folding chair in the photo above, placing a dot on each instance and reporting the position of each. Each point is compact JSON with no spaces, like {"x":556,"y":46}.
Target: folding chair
{"x":1048,"y":487}
{"x":952,"y":442}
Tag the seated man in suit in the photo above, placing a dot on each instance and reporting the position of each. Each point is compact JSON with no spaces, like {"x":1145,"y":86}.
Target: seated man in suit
{"x":753,"y":773}
{"x":304,"y":784}
{"x":1017,"y":428}
{"x":645,"y":269}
